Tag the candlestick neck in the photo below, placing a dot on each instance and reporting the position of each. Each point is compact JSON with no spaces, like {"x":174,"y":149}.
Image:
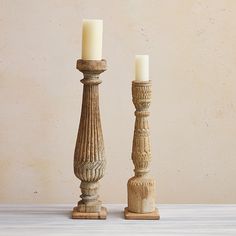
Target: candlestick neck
{"x":91,"y":67}
{"x":141,"y":151}
{"x":141,"y":92}
{"x":91,"y":70}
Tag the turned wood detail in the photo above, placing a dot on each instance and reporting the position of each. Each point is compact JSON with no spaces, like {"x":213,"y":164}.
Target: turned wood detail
{"x":141,"y":151}
{"x":89,"y":158}
{"x":141,"y":187}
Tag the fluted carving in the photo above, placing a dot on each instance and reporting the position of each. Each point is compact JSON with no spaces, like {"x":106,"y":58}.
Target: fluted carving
{"x":89,"y":158}
{"x":141,"y":187}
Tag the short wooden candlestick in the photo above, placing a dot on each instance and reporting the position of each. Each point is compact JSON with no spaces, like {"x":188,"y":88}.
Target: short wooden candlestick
{"x":141,"y":187}
{"x":89,"y":159}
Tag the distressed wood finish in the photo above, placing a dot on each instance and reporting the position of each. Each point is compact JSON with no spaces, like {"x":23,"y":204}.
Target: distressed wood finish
{"x":141,"y":187}
{"x":89,"y":158}
{"x":141,"y":216}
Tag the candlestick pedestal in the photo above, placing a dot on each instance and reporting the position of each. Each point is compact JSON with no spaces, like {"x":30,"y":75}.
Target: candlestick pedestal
{"x":89,"y":159}
{"x":141,"y":187}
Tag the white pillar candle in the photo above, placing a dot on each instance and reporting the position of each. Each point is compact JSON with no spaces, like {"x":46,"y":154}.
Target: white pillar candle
{"x":92,"y":39}
{"x":142,"y":67}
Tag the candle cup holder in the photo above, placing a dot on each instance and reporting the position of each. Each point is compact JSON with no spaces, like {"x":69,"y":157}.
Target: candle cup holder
{"x":141,"y":187}
{"x":89,"y":159}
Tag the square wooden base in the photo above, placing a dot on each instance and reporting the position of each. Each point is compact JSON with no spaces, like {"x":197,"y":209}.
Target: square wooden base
{"x":141,"y":216}
{"x":102,"y":215}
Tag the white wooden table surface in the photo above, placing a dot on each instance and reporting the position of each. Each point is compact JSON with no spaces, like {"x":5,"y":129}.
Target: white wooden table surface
{"x":37,"y":220}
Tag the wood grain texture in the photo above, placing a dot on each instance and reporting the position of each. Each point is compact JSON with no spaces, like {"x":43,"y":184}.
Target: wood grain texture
{"x":141,"y":187}
{"x":76,"y":214}
{"x":89,"y":158}
{"x":154,"y":215}
{"x":52,"y":220}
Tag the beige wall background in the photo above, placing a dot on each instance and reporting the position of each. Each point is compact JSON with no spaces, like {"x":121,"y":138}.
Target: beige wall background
{"x":192,"y":48}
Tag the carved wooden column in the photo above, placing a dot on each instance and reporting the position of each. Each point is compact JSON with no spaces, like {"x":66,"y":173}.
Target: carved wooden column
{"x":141,"y":187}
{"x":89,"y":159}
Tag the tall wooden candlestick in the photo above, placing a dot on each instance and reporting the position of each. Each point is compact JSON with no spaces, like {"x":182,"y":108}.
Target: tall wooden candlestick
{"x":89,"y":159}
{"x":141,"y":187}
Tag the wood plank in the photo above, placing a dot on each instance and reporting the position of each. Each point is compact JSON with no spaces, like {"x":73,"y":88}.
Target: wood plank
{"x":138,"y":216}
{"x":102,"y":215}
